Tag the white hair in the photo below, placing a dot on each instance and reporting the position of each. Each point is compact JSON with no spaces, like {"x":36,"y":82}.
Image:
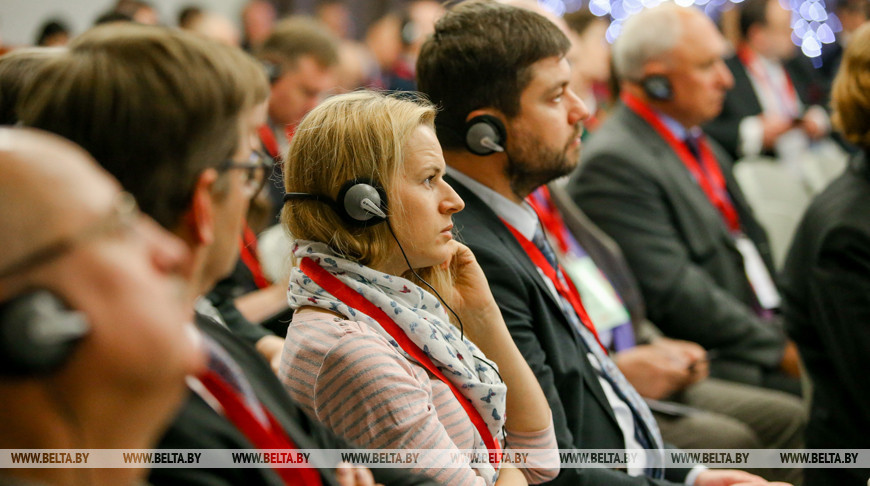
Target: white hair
{"x":647,"y":36}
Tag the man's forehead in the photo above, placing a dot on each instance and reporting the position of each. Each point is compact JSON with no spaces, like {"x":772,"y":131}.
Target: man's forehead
{"x":308,"y":64}
{"x":701,"y":40}
{"x":548,"y":73}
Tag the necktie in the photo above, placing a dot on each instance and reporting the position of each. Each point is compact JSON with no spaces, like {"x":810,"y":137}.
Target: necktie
{"x":646,"y":431}
{"x":694,"y":146}
{"x":541,"y":242}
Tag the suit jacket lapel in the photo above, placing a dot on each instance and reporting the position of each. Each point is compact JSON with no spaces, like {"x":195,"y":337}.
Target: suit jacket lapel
{"x":680,"y":175}
{"x":487,"y":218}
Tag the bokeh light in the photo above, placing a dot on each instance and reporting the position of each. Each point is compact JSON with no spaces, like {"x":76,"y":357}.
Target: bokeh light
{"x":812,"y":24}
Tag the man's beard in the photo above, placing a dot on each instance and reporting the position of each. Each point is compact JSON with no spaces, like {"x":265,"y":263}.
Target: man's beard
{"x":530,"y":165}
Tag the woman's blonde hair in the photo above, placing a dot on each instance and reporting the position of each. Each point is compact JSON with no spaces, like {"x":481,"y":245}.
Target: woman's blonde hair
{"x":850,"y":95}
{"x":362,"y":134}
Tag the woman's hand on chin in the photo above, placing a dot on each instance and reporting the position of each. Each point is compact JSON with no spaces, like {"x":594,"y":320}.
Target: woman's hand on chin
{"x":471,"y":297}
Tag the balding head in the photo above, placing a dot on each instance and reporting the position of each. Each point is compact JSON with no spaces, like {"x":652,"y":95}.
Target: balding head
{"x":49,"y":188}
{"x":66,"y":228}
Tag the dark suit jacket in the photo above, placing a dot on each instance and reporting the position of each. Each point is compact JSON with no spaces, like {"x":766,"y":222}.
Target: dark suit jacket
{"x":581,"y":413}
{"x":635,"y":188}
{"x":826,"y":289}
{"x":741,"y":101}
{"x":198,"y":426}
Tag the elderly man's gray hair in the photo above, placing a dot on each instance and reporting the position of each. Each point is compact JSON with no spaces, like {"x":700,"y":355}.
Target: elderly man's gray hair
{"x":647,"y":36}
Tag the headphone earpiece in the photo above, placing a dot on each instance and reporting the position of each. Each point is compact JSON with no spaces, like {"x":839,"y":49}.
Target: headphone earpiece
{"x":38,"y":333}
{"x":657,"y":87}
{"x":485,"y":135}
{"x":360,"y":203}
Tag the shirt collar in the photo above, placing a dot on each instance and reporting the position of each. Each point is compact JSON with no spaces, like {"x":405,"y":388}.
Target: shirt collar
{"x":676,"y":128}
{"x":521,"y":216}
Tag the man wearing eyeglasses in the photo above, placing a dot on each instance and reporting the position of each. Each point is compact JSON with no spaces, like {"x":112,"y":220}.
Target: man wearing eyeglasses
{"x":90,"y":291}
{"x":173,"y":116}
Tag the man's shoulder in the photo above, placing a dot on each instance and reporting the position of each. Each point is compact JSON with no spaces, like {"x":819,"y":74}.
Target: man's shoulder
{"x":622,"y":134}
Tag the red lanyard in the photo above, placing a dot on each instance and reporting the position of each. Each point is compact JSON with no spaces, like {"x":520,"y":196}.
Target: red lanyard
{"x":342,"y":292}
{"x":564,"y":286}
{"x":267,"y":138}
{"x":261,"y":437}
{"x":249,"y":257}
{"x":270,"y":143}
{"x":787,"y":97}
{"x":710,"y":178}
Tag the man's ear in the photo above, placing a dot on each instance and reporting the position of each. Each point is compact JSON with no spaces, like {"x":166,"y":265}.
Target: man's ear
{"x":486,"y":111}
{"x":655,"y":68}
{"x":200,"y":217}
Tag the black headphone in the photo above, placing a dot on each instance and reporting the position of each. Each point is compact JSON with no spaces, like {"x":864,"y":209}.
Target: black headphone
{"x":360,"y":203}
{"x":657,"y":87}
{"x":38,"y":333}
{"x":485,"y":135}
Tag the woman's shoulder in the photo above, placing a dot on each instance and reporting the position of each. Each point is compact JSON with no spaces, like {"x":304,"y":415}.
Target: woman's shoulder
{"x":317,"y":334}
{"x":321,"y":347}
{"x":323,"y":330}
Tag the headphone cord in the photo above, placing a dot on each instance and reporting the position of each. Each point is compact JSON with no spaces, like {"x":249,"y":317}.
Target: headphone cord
{"x":443,"y":302}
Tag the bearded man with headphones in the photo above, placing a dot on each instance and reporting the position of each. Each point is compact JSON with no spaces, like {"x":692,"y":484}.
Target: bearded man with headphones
{"x":90,"y":292}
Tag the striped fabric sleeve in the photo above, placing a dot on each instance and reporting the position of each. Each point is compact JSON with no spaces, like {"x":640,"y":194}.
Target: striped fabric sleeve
{"x":542,"y":463}
{"x":363,"y":390}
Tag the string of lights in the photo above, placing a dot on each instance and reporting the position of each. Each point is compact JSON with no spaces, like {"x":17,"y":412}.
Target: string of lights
{"x":812,"y":24}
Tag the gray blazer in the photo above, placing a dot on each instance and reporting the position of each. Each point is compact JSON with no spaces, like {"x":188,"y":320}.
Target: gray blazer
{"x":635,"y":188}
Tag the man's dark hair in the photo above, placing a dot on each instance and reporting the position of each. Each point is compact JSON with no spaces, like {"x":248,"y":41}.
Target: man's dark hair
{"x":752,"y":12}
{"x":188,"y":15}
{"x":154,"y":106}
{"x":480,"y":57}
{"x":51,"y":29}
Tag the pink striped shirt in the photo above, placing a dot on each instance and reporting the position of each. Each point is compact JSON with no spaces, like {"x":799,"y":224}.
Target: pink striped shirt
{"x":352,"y":380}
